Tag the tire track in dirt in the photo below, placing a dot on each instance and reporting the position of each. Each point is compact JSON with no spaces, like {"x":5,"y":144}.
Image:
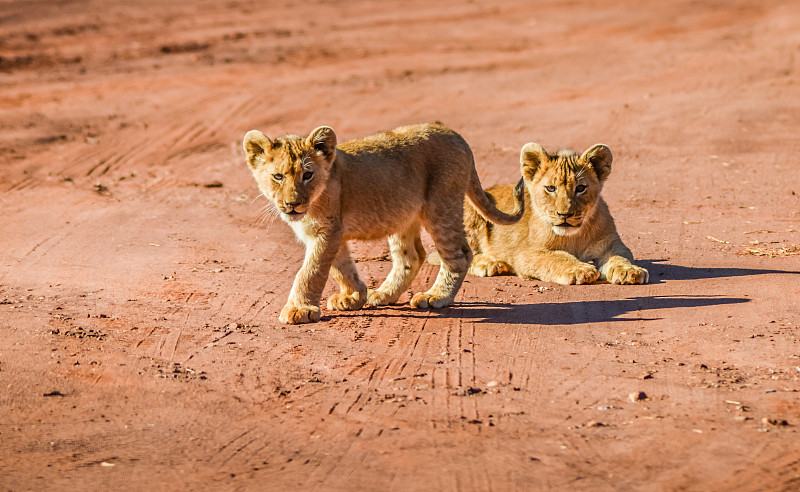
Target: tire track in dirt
{"x":467,"y":364}
{"x":235,"y":446}
{"x":413,"y":369}
{"x":25,"y":182}
{"x":249,"y":452}
{"x":176,"y":135}
{"x":366,"y":405}
{"x":517,"y":363}
{"x":267,"y":296}
{"x":86,"y":159}
{"x":44,"y":246}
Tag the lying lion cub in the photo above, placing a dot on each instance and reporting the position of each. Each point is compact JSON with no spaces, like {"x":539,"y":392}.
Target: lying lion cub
{"x":387,"y":184}
{"x":565,"y":226}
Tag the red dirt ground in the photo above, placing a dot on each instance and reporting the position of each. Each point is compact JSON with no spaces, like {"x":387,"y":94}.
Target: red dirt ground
{"x":140,"y":287}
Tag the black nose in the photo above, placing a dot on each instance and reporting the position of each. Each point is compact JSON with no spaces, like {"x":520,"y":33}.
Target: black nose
{"x":565,"y":216}
{"x":292,"y":203}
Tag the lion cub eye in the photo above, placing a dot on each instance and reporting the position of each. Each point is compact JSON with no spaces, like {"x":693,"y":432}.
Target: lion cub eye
{"x":580,"y":188}
{"x":277,"y":177}
{"x":307,"y":176}
{"x":550,"y":189}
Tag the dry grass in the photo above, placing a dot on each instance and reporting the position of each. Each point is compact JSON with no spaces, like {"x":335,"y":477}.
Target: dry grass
{"x":791,"y":250}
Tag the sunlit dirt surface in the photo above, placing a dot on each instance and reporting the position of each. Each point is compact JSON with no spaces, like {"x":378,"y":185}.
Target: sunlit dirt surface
{"x":140,"y":281}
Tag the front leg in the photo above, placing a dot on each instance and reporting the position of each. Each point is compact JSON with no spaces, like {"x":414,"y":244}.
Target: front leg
{"x":617,"y":267}
{"x":485,"y":265}
{"x":352,"y":293}
{"x":303,"y":303}
{"x":554,"y":266}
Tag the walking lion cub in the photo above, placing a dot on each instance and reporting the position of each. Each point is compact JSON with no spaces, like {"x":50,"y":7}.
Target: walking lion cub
{"x":565,"y":226}
{"x":386,"y":185}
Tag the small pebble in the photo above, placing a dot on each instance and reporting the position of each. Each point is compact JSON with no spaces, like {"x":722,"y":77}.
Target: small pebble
{"x":775,"y":422}
{"x":638,"y":396}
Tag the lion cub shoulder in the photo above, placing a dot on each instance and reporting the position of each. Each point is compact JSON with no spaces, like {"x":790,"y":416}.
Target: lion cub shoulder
{"x":566,"y":235}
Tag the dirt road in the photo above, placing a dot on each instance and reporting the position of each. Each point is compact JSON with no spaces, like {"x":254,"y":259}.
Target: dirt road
{"x":140,"y":283}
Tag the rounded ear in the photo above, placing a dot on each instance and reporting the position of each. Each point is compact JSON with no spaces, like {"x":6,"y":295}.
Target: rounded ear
{"x":531,"y":158}
{"x":599,"y":157}
{"x":254,"y":144}
{"x":323,"y":140}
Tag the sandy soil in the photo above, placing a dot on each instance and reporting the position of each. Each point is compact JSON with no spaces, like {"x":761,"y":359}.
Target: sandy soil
{"x":140,"y":284}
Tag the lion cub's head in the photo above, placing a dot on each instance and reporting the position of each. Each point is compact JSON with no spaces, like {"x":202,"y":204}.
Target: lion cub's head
{"x":291,"y":171}
{"x":564,"y":187}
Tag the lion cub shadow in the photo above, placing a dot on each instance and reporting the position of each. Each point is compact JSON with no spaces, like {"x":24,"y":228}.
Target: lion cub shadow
{"x":554,"y":313}
{"x":576,"y":312}
{"x":584,"y":312}
{"x":661,"y":271}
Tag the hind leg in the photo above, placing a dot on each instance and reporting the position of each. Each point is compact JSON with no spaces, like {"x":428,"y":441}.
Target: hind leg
{"x":446,"y":228}
{"x":407,"y":254}
{"x":352,"y":290}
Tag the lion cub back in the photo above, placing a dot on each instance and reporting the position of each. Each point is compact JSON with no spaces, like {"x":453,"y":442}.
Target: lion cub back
{"x":387,"y":179}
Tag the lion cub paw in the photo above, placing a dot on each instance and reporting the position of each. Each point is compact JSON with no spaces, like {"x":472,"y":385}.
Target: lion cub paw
{"x":627,"y":275}
{"x":580,"y":274}
{"x":345,"y":302}
{"x":295,"y":315}
{"x":379,"y":298}
{"x":423,"y":300}
{"x":484,"y":266}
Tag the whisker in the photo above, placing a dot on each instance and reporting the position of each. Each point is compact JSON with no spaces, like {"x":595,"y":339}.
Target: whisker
{"x":267,"y":213}
{"x":260,"y":195}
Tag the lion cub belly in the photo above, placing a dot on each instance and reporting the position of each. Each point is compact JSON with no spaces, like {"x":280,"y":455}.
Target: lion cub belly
{"x":377,"y":221}
{"x":358,"y":226}
{"x":367,"y":216}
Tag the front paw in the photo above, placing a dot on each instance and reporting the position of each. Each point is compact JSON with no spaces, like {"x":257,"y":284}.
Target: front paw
{"x":379,"y":298}
{"x":425,"y":300}
{"x":488,"y":267}
{"x":627,"y":275}
{"x":583,"y":273}
{"x":345,"y":302}
{"x":295,"y":315}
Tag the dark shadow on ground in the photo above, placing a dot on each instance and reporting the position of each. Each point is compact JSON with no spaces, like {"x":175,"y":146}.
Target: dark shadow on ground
{"x":551,"y":313}
{"x":661,"y":271}
{"x":581,"y":312}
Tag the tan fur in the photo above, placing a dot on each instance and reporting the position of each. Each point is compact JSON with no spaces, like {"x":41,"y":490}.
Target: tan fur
{"x":566,"y":224}
{"x":389,"y":184}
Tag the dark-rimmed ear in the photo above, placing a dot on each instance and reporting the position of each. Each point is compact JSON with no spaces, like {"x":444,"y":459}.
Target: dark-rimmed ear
{"x":531,"y":158}
{"x":254,"y":144}
{"x":323,"y":141}
{"x":599,"y":158}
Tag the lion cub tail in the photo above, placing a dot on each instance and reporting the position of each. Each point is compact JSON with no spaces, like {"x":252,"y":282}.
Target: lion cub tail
{"x":485,"y":205}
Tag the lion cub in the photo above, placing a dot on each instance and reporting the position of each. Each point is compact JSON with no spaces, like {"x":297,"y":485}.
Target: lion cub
{"x":566,"y":224}
{"x":388,"y":184}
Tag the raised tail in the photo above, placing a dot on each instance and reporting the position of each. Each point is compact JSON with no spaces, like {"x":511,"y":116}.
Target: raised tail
{"x":486,"y":206}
